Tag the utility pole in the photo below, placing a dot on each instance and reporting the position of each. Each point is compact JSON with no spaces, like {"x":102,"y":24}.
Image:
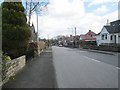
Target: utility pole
{"x":48,"y":39}
{"x":37,"y":28}
{"x":75,"y":31}
{"x":75,"y":37}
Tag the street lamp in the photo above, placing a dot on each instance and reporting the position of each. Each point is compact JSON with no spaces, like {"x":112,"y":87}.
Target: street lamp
{"x":38,"y":49}
{"x":37,"y":28}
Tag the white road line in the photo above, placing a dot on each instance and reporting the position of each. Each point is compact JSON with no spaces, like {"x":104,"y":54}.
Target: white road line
{"x":97,"y":61}
{"x":92,"y":59}
{"x":117,"y":67}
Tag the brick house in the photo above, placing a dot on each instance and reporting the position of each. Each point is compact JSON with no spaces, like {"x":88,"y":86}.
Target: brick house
{"x":88,"y":38}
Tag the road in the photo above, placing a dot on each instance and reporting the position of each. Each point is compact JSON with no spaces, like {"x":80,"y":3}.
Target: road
{"x":82,"y":69}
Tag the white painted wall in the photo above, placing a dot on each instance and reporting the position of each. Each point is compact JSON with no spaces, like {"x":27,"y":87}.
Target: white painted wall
{"x":108,"y":40}
{"x":99,"y":37}
{"x":100,"y":41}
{"x":118,"y":38}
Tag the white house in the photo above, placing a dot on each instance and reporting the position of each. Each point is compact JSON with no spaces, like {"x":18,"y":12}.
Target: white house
{"x":110,"y":34}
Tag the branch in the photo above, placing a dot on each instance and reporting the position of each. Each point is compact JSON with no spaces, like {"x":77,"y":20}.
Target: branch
{"x":35,"y":6}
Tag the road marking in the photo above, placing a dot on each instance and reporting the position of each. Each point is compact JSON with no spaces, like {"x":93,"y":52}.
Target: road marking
{"x":117,"y":67}
{"x":97,"y":61}
{"x":92,"y":59}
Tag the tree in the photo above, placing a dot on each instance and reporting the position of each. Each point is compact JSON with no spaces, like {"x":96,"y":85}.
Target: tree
{"x":15,"y":31}
{"x":31,"y":6}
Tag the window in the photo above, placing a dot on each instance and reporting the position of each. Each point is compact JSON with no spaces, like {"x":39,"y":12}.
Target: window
{"x":102,"y":37}
{"x":111,"y":37}
{"x":106,"y":36}
{"x":113,"y":24}
{"x":114,"y":38}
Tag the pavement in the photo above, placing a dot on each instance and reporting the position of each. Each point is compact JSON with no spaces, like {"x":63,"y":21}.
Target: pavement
{"x":38,"y":73}
{"x":98,"y":51}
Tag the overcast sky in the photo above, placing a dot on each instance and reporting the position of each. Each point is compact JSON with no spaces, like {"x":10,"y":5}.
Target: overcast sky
{"x":63,"y":15}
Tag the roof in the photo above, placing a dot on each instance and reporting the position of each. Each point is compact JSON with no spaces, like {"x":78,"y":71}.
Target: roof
{"x":114,"y":27}
{"x":90,"y":33}
{"x":109,"y":29}
{"x":88,"y":37}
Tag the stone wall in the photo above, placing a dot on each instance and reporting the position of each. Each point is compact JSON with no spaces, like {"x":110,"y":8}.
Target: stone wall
{"x":41,"y":46}
{"x":13,"y":67}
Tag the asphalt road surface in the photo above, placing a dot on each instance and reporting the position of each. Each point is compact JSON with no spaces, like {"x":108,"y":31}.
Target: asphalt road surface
{"x":82,"y":69}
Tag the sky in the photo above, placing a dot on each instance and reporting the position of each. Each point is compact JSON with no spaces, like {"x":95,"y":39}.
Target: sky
{"x":62,"y":16}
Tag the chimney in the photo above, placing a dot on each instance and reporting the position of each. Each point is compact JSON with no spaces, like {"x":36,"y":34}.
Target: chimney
{"x":70,"y":35}
{"x":89,"y":30}
{"x":107,"y":23}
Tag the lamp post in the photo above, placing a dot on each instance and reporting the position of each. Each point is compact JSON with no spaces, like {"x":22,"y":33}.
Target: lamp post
{"x":37,"y":29}
{"x":38,"y":49}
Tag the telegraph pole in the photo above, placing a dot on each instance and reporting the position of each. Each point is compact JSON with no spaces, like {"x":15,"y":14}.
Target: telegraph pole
{"x":75,"y":31}
{"x":75,"y":37}
{"x":48,"y":39}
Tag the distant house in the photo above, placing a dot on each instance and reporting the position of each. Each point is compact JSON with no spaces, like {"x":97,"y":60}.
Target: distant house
{"x":90,"y":36}
{"x":33,"y":37}
{"x":110,"y":34}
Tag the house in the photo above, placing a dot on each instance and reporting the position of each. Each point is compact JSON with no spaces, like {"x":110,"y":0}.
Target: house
{"x":110,"y":34}
{"x":88,"y":38}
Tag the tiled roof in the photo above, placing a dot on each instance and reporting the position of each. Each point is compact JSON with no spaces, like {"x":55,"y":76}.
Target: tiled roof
{"x":88,"y":37}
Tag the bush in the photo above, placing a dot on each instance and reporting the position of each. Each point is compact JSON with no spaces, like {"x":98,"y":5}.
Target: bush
{"x":15,"y":31}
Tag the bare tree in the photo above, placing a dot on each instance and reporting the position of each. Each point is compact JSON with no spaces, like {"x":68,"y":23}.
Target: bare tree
{"x":31,"y":7}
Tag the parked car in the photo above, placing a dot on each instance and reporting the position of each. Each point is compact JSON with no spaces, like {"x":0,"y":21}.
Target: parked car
{"x":60,"y":45}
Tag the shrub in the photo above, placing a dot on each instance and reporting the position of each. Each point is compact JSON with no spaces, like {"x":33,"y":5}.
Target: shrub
{"x":15,"y":31}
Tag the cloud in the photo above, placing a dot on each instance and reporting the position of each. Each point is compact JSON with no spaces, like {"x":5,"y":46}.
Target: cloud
{"x":64,"y":14}
{"x":65,"y":8}
{"x":98,"y":2}
{"x":101,"y":10}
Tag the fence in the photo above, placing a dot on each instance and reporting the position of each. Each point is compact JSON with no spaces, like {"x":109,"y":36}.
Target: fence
{"x":103,"y":48}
